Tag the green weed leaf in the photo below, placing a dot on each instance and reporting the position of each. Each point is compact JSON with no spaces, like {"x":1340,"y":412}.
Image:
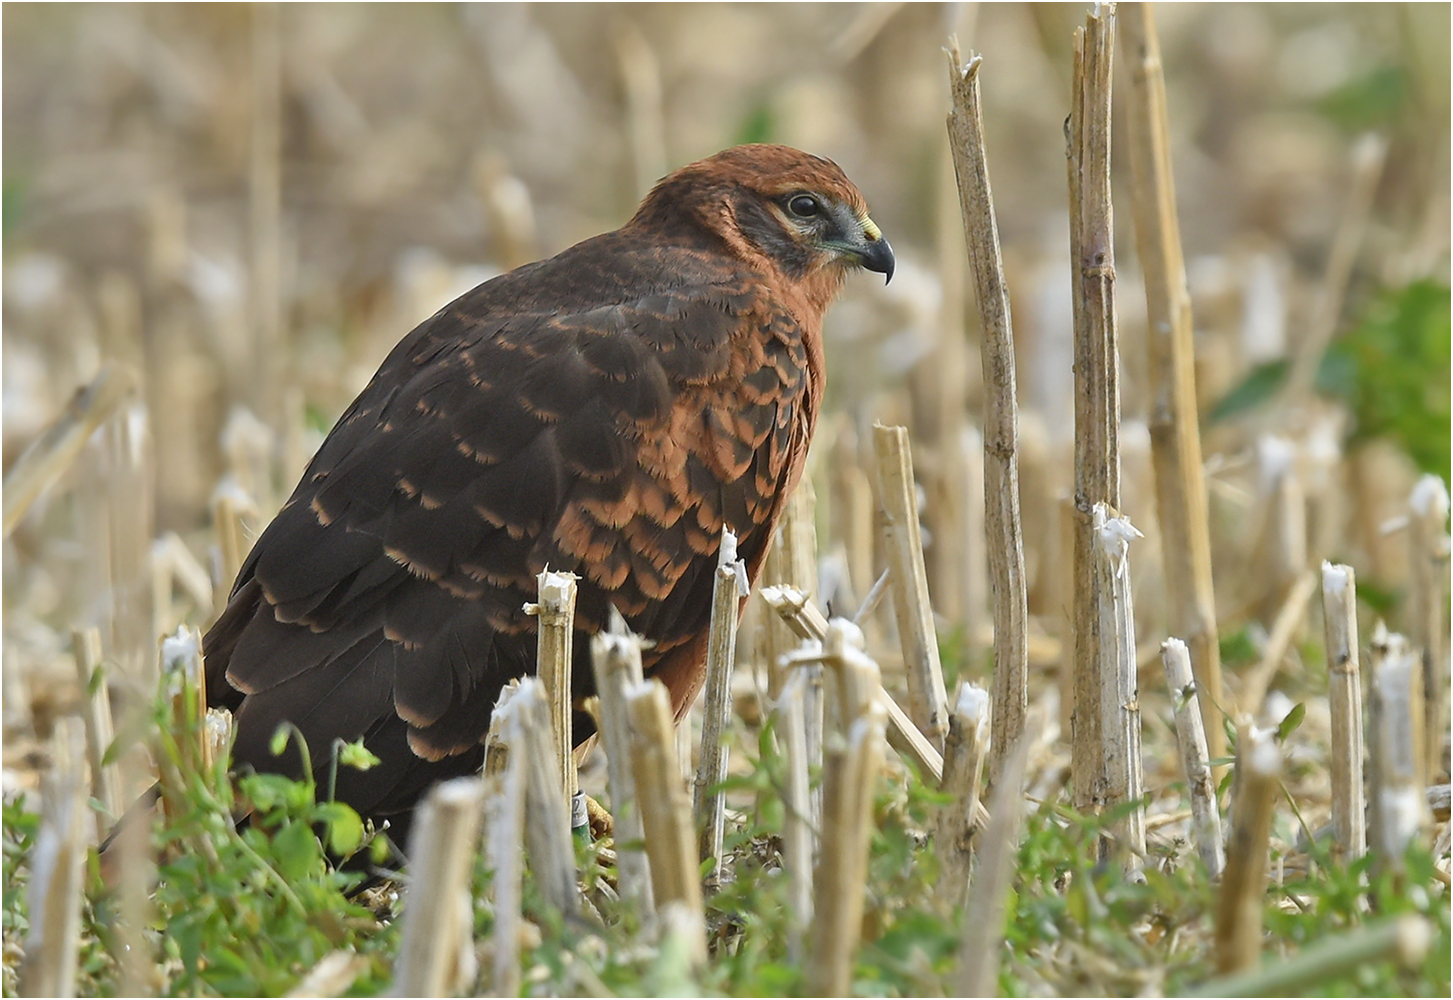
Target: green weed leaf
{"x":1291,"y":722}
{"x":296,"y":850}
{"x":356,"y":756}
{"x":345,"y":828}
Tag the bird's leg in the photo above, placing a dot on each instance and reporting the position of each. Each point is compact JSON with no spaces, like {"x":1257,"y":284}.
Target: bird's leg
{"x":602,"y":824}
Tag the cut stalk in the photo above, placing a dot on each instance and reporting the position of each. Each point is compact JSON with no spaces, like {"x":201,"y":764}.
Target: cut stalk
{"x":617,"y":662}
{"x":799,"y":835}
{"x":179,"y":567}
{"x":1174,"y":429}
{"x":332,"y":976}
{"x":1243,"y":885}
{"x":496,"y":738}
{"x":1405,"y":940}
{"x":814,"y":722}
{"x":436,"y":953}
{"x":555,"y":658}
{"x":1120,"y":764}
{"x":857,"y":678}
{"x":1428,"y":605}
{"x":709,"y":800}
{"x":665,"y":811}
{"x":1066,"y":593}
{"x":850,"y":773}
{"x":1400,"y":803}
{"x":264,"y":216}
{"x":1097,"y":386}
{"x":505,"y":801}
{"x":1195,"y":759}
{"x":1344,"y":696}
{"x":132,"y":872}
{"x":799,"y":536}
{"x":100,"y":729}
{"x":60,"y":444}
{"x":851,"y":509}
{"x":898,"y":498}
{"x":1003,"y":534}
{"x":547,"y":830}
{"x":1278,"y":551}
{"x":872,"y":600}
{"x":230,"y":504}
{"x":957,"y":820}
{"x":840,"y":882}
{"x":903,"y":736}
{"x":130,"y":513}
{"x":792,"y":560}
{"x":58,"y":864}
{"x":983,"y":937}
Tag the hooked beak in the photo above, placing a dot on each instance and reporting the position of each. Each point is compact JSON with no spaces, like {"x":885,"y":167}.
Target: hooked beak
{"x":878,"y":256}
{"x":875,"y":253}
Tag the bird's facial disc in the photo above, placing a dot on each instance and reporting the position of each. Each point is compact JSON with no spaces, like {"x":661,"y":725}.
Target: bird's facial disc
{"x":835,"y":230}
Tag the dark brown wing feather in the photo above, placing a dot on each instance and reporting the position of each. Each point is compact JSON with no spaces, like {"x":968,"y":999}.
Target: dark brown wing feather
{"x":604,"y":412}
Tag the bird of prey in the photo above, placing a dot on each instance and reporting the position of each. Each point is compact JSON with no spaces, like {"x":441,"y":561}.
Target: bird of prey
{"x":604,"y":412}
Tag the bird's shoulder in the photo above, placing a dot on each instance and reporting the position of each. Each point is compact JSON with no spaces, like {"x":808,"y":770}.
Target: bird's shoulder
{"x":595,"y":346}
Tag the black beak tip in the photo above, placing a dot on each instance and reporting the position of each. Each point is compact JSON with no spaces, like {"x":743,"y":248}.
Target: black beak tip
{"x":880,"y":258}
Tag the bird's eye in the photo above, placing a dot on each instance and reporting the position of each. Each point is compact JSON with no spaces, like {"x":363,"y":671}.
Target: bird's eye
{"x":804,"y":206}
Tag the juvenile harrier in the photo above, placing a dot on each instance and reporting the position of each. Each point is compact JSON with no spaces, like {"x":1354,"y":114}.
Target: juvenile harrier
{"x":604,"y":412}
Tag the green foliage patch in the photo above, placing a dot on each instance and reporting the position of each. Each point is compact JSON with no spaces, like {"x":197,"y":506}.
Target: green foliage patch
{"x":250,"y":911}
{"x":1391,"y":370}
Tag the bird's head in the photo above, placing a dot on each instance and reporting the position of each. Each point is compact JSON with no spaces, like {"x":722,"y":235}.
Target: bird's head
{"x":795,"y":210}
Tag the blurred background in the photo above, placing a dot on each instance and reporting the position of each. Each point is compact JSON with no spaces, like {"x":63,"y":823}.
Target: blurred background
{"x":245,"y":206}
